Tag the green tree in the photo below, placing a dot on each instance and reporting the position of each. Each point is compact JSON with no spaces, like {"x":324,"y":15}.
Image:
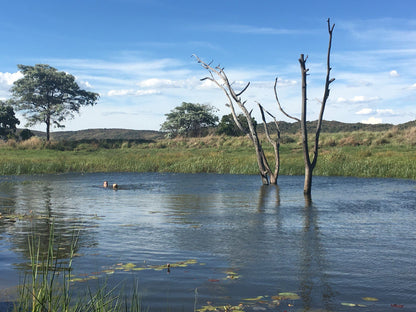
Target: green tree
{"x":8,"y":120}
{"x":46,"y":95}
{"x":189,"y":120}
{"x":26,"y":134}
{"x":227,"y":125}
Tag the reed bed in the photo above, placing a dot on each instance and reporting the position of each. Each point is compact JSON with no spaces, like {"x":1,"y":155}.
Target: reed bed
{"x":49,"y":288}
{"x":363,"y":154}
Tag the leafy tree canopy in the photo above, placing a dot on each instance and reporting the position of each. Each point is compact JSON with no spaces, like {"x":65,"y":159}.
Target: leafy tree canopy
{"x":227,"y":125}
{"x":8,"y":120}
{"x":26,"y":134}
{"x":46,"y":95}
{"x":189,"y":120}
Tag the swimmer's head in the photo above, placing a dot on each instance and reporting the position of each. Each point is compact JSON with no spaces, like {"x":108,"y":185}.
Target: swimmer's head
{"x":105,"y":184}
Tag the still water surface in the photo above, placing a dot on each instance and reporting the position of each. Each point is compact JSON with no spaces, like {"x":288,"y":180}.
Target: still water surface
{"x":226,"y":237}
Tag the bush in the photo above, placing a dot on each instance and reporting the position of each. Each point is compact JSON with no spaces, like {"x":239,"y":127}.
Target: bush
{"x":26,"y":134}
{"x":32,"y":143}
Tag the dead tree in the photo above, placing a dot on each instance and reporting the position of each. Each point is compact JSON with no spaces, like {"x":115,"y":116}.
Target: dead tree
{"x":310,"y":164}
{"x":219,"y":77}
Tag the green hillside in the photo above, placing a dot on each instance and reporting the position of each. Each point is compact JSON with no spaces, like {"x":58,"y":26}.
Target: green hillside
{"x":151,"y":135}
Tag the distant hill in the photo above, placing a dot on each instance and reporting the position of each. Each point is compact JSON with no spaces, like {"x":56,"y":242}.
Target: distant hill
{"x":336,"y":126}
{"x":103,"y":134}
{"x":151,"y":135}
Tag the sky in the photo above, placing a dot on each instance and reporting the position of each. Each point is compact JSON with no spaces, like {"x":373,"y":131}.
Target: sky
{"x":137,"y":54}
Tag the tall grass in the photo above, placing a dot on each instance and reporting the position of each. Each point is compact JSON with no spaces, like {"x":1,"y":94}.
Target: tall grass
{"x":48,"y":289}
{"x":360,"y":153}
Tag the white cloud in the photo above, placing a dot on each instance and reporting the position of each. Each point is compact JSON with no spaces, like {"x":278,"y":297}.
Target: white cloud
{"x":9,"y":78}
{"x":160,"y":83}
{"x":364,"y":111}
{"x":119,"y":92}
{"x":124,"y":92}
{"x":372,"y":121}
{"x":380,"y":112}
{"x":394,"y":73}
{"x":358,"y":99}
{"x":146,"y":92}
{"x":413,"y":86}
{"x":385,"y":112}
{"x":207,"y":84}
{"x":84,"y":84}
{"x":362,"y":99}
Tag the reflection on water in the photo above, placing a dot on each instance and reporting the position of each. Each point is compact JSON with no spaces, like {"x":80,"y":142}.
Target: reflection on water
{"x":227,"y":238}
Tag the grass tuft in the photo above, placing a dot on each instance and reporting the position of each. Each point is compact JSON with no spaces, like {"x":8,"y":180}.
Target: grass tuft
{"x":358,"y":153}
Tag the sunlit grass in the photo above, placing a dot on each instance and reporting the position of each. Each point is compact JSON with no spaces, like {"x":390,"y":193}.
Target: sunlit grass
{"x":360,"y":153}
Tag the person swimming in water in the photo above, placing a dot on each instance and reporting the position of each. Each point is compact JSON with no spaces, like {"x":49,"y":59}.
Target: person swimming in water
{"x":115,"y":185}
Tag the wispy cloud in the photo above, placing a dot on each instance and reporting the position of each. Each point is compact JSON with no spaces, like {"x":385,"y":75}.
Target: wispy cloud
{"x":382,"y":30}
{"x":254,"y":30}
{"x":132,"y":92}
{"x":359,"y":99}
{"x":364,"y":111}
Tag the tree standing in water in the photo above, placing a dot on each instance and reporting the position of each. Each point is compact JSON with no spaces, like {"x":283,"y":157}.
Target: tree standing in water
{"x":219,"y":77}
{"x":311,"y":163}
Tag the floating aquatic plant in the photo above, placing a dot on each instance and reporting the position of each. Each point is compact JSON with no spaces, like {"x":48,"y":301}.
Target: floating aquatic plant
{"x":369,"y":299}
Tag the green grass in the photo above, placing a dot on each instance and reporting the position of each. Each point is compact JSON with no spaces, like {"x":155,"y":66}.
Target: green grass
{"x":49,"y":287}
{"x":363,"y":154}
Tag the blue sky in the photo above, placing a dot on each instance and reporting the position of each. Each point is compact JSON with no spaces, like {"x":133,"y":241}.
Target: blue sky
{"x":137,"y":55}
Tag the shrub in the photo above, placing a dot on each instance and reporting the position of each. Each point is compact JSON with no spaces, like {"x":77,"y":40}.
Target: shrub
{"x":32,"y":143}
{"x":349,"y":141}
{"x":410,"y":136}
{"x":26,"y":134}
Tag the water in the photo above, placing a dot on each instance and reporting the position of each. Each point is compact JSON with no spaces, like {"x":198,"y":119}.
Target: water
{"x":226,"y":237}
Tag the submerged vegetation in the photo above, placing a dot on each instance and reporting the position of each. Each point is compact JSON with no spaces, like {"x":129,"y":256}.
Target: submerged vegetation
{"x":50,"y":285}
{"x":359,"y":153}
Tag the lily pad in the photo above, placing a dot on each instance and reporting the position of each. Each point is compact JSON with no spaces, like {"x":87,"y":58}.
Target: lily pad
{"x":254,"y":299}
{"x":207,"y":308}
{"x":288,"y":296}
{"x":348,"y":304}
{"x":128,"y":266}
{"x":140,"y":269}
{"x":232,"y":275}
{"x":370,"y":299}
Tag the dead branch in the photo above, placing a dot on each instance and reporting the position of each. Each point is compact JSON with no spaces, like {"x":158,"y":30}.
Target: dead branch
{"x":278,"y":102}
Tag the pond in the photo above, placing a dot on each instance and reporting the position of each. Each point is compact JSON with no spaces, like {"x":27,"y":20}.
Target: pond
{"x":227,"y":238}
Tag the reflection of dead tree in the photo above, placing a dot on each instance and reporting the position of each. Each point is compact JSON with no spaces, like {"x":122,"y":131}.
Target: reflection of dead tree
{"x":219,"y":77}
{"x":310,"y":164}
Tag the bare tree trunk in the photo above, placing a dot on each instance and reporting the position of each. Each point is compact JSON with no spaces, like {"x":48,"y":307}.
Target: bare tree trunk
{"x":310,"y":165}
{"x":268,"y":176}
{"x":307,"y":161}
{"x":307,"y":186}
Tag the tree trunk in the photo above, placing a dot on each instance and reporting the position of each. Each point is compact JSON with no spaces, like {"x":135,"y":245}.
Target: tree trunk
{"x":308,"y":166}
{"x":48,"y":126}
{"x":267,"y":175}
{"x":273,"y":179}
{"x":307,"y":187}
